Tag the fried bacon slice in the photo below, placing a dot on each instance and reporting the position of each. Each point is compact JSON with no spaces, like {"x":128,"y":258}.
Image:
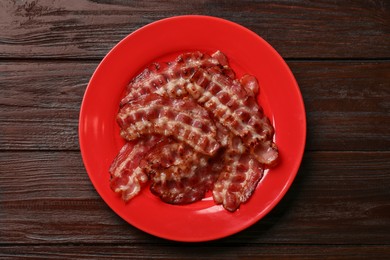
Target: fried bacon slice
{"x":127,"y":177}
{"x":181,"y":184}
{"x":231,"y":105}
{"x":187,"y":181}
{"x":240,"y":174}
{"x":237,"y":181}
{"x":169,"y":79}
{"x":182,"y":119}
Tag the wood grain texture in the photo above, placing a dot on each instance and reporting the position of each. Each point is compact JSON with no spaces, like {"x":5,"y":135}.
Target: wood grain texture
{"x":89,"y":29}
{"x":347,"y":104}
{"x":40,"y":103}
{"x":202,"y":251}
{"x":338,"y":198}
{"x":338,"y":206}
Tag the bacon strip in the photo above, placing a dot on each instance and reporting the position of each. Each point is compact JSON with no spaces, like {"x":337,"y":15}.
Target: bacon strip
{"x":181,"y":184}
{"x":186,"y":182}
{"x":171,"y":167}
{"x":237,"y":181}
{"x":230,"y":105}
{"x":241,"y":173}
{"x":180,"y":118}
{"x":169,"y":79}
{"x":127,"y":177}
{"x":147,"y":82}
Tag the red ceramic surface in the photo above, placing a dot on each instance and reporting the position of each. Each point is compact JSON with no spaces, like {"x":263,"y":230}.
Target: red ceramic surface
{"x":162,"y":41}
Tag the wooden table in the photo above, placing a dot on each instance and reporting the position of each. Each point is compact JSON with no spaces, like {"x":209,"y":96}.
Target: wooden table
{"x":337,"y":208}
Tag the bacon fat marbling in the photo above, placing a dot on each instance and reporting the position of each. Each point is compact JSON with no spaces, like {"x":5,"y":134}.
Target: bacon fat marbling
{"x":191,"y":126}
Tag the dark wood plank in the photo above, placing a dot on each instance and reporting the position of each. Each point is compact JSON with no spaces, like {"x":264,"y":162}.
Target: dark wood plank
{"x":40,"y":103}
{"x":347,"y":104}
{"x":197,"y":251}
{"x":338,"y":198}
{"x":89,"y":29}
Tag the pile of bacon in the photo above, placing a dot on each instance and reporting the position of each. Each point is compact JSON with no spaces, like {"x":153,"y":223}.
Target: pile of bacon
{"x":192,"y":127}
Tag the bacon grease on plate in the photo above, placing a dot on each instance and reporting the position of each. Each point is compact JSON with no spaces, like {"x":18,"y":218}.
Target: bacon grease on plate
{"x":192,"y":127}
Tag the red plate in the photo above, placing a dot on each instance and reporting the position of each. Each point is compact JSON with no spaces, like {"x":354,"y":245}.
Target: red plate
{"x":163,"y":40}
